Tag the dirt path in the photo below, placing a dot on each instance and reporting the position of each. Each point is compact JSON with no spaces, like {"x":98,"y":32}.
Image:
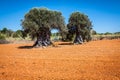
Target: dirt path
{"x":96,"y":60}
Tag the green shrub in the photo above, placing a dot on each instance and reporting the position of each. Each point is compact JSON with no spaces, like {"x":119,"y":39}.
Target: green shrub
{"x":2,"y":37}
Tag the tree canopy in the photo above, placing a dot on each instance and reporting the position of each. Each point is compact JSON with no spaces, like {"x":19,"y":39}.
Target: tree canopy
{"x":38,"y":18}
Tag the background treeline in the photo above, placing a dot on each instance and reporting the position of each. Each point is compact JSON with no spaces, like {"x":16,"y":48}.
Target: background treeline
{"x":8,"y":34}
{"x":106,"y":35}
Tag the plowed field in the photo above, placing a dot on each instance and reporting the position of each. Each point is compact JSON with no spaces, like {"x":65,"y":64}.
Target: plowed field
{"x":95,"y":60}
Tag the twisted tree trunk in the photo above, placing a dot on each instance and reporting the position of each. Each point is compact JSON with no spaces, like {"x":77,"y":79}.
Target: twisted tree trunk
{"x":78,"y":39}
{"x":43,"y":39}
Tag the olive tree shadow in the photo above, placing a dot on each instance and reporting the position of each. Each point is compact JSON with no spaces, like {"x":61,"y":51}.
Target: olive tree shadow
{"x":66,"y":43}
{"x":25,"y":47}
{"x":30,"y":47}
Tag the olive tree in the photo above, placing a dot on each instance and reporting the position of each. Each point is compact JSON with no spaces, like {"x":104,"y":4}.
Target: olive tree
{"x":39,"y":21}
{"x":79,"y":27}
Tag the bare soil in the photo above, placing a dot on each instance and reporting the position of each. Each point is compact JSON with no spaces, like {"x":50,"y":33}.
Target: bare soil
{"x":95,"y":60}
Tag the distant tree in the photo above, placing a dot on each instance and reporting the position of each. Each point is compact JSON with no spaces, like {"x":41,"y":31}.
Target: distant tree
{"x":7,"y":32}
{"x":2,"y":37}
{"x":4,"y":30}
{"x":94,"y":32}
{"x":107,"y":33}
{"x":100,"y":33}
{"x":18,"y":33}
{"x":79,"y":27}
{"x":117,"y":33}
{"x":39,"y":21}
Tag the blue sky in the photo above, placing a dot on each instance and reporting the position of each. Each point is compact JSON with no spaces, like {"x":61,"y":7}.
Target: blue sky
{"x":104,"y":14}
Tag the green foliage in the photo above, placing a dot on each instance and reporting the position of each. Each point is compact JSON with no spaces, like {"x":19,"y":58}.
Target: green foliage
{"x":94,"y":32}
{"x":117,"y":33}
{"x":2,"y":36}
{"x":55,"y":36}
{"x":18,"y":33}
{"x":107,"y":33}
{"x":7,"y":32}
{"x":79,"y":19}
{"x":4,"y":30}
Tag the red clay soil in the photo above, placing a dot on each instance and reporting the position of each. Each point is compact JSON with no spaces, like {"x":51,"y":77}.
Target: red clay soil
{"x":95,"y":60}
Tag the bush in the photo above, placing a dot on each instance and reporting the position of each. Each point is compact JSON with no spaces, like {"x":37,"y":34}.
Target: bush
{"x":17,"y":34}
{"x":2,"y":37}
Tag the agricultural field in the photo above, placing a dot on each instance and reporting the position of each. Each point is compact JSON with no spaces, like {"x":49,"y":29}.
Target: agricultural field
{"x":95,"y":60}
